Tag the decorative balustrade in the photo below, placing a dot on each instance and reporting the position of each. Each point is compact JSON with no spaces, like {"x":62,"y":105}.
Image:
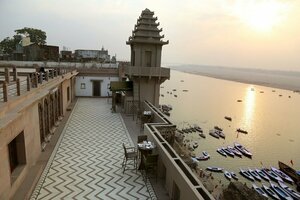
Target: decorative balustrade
{"x":159,"y":72}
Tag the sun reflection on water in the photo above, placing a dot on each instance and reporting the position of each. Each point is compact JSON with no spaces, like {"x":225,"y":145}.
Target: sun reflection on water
{"x":249,"y":106}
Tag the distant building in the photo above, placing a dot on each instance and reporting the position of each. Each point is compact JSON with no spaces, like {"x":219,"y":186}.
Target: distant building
{"x":66,"y":55}
{"x":18,"y":54}
{"x":89,"y":55}
{"x":35,"y":52}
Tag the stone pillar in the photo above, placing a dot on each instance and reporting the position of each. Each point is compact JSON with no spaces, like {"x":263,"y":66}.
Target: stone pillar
{"x":40,"y":78}
{"x":47,"y":76}
{"x":36,"y":80}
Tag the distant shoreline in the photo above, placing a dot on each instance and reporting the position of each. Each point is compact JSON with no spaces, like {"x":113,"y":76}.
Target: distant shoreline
{"x":272,"y":79}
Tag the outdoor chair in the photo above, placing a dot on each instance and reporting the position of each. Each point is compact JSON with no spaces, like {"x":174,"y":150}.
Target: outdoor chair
{"x":130,"y":154}
{"x":150,"y":164}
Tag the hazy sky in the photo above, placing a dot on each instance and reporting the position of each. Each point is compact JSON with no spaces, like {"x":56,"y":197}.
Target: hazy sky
{"x":238,"y":33}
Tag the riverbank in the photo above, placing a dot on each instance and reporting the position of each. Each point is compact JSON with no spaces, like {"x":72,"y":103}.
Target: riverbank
{"x":288,"y":80}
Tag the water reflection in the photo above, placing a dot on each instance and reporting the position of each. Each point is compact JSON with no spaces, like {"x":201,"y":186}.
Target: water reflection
{"x":249,"y":106}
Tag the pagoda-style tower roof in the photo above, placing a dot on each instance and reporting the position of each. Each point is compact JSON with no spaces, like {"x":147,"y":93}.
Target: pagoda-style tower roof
{"x":146,"y":30}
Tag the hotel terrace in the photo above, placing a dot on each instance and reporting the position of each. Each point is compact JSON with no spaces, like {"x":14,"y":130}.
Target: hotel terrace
{"x":62,"y":129}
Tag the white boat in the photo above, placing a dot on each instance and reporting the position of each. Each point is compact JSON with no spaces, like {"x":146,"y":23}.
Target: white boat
{"x":227,"y":175}
{"x":246,"y":174}
{"x":272,"y":174}
{"x":222,"y":152}
{"x":260,"y":190}
{"x":215,"y":169}
{"x":228,"y":152}
{"x":243,"y":150}
{"x":262,"y":174}
{"x":289,"y":190}
{"x":233,"y":175}
{"x":271,"y":192}
{"x":281,"y":192}
{"x":254,"y":174}
{"x":235,"y":151}
{"x":283,"y":175}
{"x":205,"y":156}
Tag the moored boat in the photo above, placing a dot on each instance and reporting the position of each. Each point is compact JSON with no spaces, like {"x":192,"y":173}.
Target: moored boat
{"x":246,"y":174}
{"x":205,"y":156}
{"x":228,"y":152}
{"x":218,"y":128}
{"x":195,"y":145}
{"x":271,"y":192}
{"x":289,"y":190}
{"x":214,"y":134}
{"x":233,"y":175}
{"x":235,"y":151}
{"x":281,"y":192}
{"x":227,"y":175}
{"x":202,"y":135}
{"x":215,"y":169}
{"x":272,"y":174}
{"x":262,"y":174}
{"x":260,"y":190}
{"x":284,"y":176}
{"x":254,"y":174}
{"x":221,"y":134}
{"x":222,"y":152}
{"x":228,"y":118}
{"x":289,"y":171}
{"x":243,"y":150}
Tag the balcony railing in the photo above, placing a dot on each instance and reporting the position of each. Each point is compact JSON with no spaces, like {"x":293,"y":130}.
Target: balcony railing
{"x":159,"y":72}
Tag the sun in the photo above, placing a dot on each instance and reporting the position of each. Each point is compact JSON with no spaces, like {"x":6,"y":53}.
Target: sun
{"x":261,"y":16}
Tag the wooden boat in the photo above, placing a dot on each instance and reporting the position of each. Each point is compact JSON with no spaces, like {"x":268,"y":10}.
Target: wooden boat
{"x":241,"y":131}
{"x":246,"y":174}
{"x":175,"y":95}
{"x":239,"y":100}
{"x":215,"y":169}
{"x":220,"y":133}
{"x":228,"y":152}
{"x":214,"y":134}
{"x":222,"y":152}
{"x":254,"y":174}
{"x":260,"y":190}
{"x":243,"y":150}
{"x":195,"y":145}
{"x":262,"y":174}
{"x":205,"y":156}
{"x":282,"y":175}
{"x":228,"y":118}
{"x":202,"y":135}
{"x":227,"y":175}
{"x":218,"y":128}
{"x":291,"y":172}
{"x":198,"y":128}
{"x":234,"y":176}
{"x":235,"y":151}
{"x":272,"y":174}
{"x":289,"y":190}
{"x":185,"y":90}
{"x":281,"y":192}
{"x":270,"y":192}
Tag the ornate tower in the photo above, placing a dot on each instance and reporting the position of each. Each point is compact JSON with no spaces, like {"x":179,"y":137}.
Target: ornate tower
{"x":145,"y":70}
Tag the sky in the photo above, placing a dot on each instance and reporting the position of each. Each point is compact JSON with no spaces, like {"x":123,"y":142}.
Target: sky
{"x":236,"y":33}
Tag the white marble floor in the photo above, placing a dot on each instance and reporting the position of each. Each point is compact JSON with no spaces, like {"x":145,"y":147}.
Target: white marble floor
{"x":86,"y":162}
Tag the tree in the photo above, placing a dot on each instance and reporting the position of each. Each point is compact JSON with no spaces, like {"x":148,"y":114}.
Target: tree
{"x":8,"y":45}
{"x":36,"y":35}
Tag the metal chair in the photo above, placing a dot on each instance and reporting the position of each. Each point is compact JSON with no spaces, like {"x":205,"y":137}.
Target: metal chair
{"x":130,"y":154}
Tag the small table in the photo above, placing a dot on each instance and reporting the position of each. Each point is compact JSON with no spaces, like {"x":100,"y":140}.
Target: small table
{"x":144,"y":148}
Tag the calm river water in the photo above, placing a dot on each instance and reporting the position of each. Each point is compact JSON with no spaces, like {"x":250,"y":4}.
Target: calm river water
{"x":272,"y":121}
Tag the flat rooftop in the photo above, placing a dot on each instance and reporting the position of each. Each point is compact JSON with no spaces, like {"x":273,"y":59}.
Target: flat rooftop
{"x":86,"y":161}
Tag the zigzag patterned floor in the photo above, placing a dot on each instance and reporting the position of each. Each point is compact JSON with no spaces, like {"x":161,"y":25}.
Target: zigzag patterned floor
{"x":86,"y":163}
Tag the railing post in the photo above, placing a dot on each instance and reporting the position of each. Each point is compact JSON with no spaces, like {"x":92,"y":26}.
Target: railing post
{"x":5,"y":92}
{"x":47,"y":76}
{"x":28,"y":82}
{"x":15,"y":74}
{"x":40,"y":78}
{"x":36,"y":79}
{"x":18,"y":87}
{"x":6,"y":75}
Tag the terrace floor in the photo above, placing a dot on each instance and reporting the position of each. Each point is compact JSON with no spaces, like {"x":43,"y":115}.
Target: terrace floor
{"x":86,"y":161}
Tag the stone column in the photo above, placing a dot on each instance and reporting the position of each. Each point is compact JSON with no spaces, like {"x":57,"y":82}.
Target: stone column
{"x":6,"y":74}
{"x":15,"y":74}
{"x":18,"y":87}
{"x":5,"y":91}
{"x":28,"y":83}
